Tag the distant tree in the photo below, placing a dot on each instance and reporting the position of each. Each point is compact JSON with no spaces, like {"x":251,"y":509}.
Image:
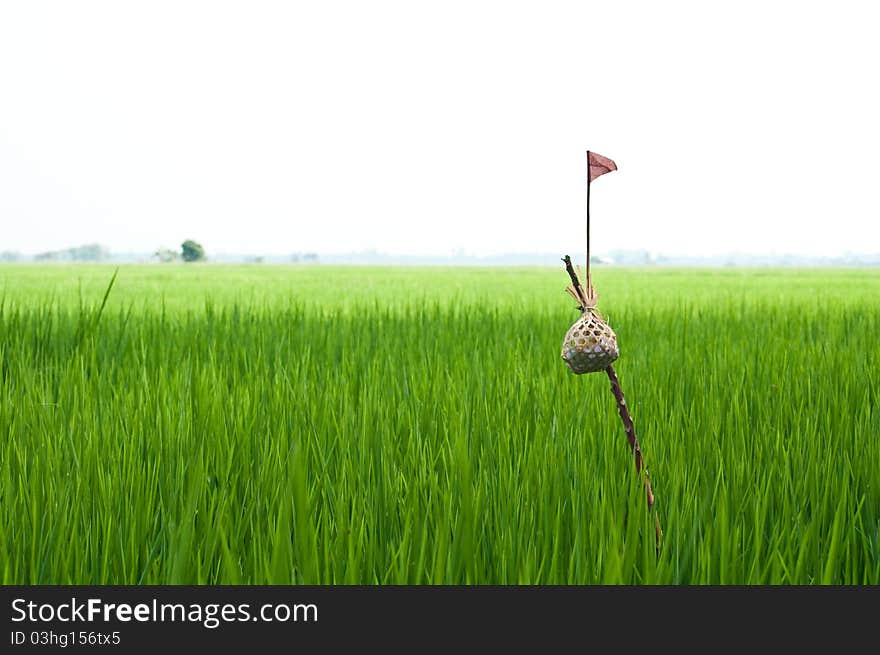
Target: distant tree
{"x":166,"y":255}
{"x":8,"y":256}
{"x":190,"y":251}
{"x":310,"y":257}
{"x":92,"y":252}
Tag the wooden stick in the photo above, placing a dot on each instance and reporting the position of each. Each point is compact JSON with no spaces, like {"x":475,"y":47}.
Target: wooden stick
{"x":582,"y":298}
{"x":633,"y":440}
{"x":622,"y":408}
{"x":630,"y":430}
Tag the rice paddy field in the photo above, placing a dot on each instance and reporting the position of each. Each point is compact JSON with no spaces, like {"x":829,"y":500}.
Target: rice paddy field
{"x":207,"y":424}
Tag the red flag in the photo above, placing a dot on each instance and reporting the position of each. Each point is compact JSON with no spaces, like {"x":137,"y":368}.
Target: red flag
{"x":599,"y":165}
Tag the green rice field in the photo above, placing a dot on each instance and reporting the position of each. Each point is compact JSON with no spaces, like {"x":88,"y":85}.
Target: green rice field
{"x":208,"y":424}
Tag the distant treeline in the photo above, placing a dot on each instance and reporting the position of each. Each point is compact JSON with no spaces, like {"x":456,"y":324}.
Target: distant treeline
{"x":192,"y":251}
{"x":91,"y":252}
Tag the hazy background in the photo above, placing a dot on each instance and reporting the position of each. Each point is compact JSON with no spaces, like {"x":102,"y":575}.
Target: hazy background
{"x":438,"y":128}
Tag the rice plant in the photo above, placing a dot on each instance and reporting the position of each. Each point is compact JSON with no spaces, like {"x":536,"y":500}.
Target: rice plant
{"x":257,"y":424}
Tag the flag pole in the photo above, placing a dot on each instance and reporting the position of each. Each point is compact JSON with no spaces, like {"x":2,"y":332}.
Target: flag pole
{"x":589,"y":278}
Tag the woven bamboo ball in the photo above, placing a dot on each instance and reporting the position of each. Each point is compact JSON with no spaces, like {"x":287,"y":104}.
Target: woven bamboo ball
{"x":590,"y":344}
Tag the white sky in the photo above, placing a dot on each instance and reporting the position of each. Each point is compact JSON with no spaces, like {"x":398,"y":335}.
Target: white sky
{"x":422,"y":128}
